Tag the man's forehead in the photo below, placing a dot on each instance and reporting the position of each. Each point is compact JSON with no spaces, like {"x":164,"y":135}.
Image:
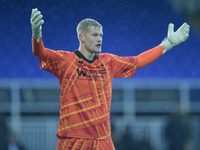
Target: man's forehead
{"x":95,"y":29}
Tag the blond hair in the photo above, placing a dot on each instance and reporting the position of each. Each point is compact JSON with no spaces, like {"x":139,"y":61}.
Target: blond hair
{"x":85,"y":24}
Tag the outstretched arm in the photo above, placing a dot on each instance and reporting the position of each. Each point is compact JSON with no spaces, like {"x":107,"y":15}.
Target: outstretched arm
{"x":37,"y":44}
{"x":173,"y":39}
{"x":149,"y":56}
{"x":39,"y":49}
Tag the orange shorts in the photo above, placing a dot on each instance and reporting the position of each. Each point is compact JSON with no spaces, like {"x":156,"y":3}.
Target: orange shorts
{"x":84,"y":144}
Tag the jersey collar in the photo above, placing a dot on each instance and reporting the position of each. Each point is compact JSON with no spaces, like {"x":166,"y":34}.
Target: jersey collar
{"x":80,"y":55}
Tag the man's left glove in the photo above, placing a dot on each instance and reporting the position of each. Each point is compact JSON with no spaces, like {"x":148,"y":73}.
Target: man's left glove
{"x":175,"y":38}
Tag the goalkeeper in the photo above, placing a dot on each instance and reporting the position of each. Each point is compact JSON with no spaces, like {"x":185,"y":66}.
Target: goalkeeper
{"x":86,"y":75}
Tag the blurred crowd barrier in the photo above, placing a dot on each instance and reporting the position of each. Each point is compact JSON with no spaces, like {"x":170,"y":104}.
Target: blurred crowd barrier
{"x":152,"y":114}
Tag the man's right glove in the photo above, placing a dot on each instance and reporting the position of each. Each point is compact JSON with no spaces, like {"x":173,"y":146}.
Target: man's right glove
{"x":175,"y":38}
{"x":36,"y":22}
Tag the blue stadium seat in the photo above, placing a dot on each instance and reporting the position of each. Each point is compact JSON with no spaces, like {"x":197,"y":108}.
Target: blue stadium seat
{"x":130,"y":27}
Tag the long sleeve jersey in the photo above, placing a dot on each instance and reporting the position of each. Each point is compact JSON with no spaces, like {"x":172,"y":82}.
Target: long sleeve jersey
{"x":86,"y":86}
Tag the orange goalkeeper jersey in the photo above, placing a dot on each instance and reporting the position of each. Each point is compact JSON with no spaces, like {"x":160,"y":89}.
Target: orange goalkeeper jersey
{"x":86,"y":90}
{"x":86,"y":87}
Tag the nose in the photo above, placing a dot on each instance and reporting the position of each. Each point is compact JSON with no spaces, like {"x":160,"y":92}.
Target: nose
{"x":99,"y":39}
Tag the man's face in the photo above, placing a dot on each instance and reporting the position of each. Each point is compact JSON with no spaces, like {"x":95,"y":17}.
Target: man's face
{"x":93,"y":39}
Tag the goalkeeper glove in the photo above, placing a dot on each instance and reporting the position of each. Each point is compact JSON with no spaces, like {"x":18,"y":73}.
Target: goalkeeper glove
{"x":36,"y":22}
{"x":175,"y":38}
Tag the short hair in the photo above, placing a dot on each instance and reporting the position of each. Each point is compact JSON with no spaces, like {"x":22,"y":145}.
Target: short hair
{"x":85,"y":24}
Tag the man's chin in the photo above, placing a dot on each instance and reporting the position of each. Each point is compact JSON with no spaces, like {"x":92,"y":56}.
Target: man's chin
{"x":98,"y":51}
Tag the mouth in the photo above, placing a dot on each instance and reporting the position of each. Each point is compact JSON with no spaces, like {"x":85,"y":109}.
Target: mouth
{"x":98,"y":45}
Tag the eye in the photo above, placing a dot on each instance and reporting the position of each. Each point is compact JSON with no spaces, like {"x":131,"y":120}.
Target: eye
{"x":95,"y":35}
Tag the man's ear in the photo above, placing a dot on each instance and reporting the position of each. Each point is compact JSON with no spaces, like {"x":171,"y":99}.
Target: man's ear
{"x":81,"y":38}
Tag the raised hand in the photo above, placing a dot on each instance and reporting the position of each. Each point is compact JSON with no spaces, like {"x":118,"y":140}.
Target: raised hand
{"x":180,"y":35}
{"x":175,"y":38}
{"x":36,"y":22}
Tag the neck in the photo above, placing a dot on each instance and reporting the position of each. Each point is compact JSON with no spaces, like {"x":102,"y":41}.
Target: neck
{"x":86,"y":54}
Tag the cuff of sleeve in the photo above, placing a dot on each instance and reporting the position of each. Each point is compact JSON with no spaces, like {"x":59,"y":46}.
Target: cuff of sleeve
{"x":166,"y":44}
{"x":36,"y":40}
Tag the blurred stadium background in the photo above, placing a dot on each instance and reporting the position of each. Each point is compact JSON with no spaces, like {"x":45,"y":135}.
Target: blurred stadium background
{"x":142,"y":106}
